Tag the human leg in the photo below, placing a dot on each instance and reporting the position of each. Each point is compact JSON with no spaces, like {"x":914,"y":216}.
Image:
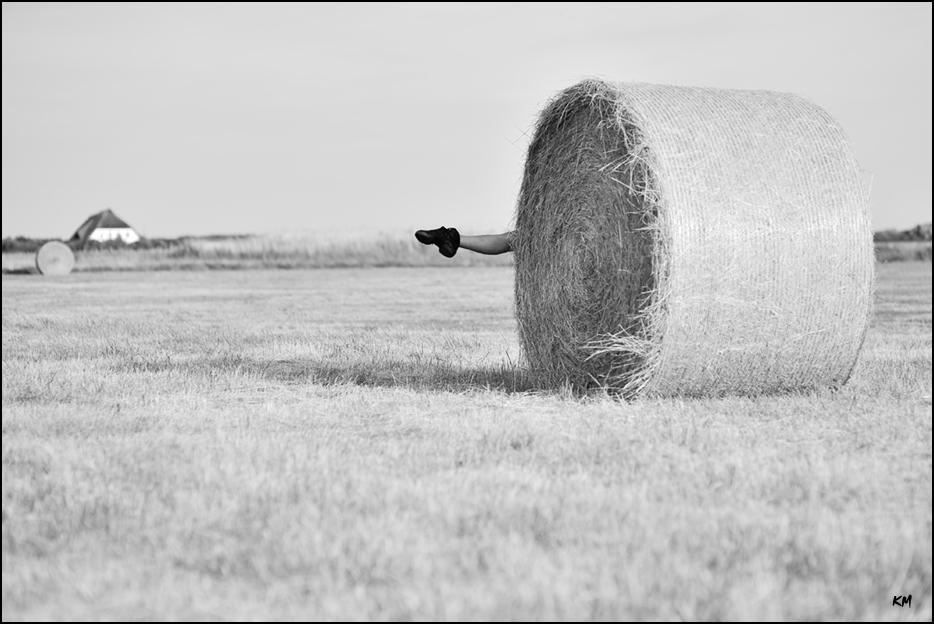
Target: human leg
{"x":490,"y":244}
{"x":449,"y":241}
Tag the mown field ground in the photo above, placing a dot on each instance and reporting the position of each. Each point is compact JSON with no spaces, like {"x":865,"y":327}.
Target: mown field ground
{"x":362,"y":444}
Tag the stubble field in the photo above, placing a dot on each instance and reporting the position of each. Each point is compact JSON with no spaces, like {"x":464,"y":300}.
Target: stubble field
{"x":363,"y":444}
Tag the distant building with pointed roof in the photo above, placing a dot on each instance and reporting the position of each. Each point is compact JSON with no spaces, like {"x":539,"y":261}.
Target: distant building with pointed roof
{"x":102,"y":227}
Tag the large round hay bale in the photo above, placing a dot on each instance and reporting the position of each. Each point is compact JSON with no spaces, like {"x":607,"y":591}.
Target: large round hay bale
{"x":691,"y":241}
{"x":55,"y":258}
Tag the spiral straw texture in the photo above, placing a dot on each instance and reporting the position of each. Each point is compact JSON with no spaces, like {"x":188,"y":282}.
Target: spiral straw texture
{"x":675,"y":241}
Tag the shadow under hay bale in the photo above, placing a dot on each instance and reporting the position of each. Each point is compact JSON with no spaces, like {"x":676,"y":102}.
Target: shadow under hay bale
{"x":690,"y":241}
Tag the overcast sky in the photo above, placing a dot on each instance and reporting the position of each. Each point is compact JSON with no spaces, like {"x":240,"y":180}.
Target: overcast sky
{"x":259,"y":118}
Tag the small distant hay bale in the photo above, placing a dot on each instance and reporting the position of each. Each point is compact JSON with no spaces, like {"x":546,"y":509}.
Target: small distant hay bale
{"x":675,"y":241}
{"x":55,"y":258}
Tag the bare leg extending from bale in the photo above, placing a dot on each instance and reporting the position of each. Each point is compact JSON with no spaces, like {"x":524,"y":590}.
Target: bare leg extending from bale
{"x":449,"y":241}
{"x":490,"y":244}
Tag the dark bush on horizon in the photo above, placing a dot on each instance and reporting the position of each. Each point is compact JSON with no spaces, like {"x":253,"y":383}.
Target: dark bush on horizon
{"x":918,"y":233}
{"x":23,"y":245}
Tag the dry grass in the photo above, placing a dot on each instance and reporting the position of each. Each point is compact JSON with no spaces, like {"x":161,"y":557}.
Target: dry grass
{"x":300,"y":251}
{"x":362,"y":445}
{"x":311,"y":251}
{"x":687,"y":241}
{"x":903,"y":251}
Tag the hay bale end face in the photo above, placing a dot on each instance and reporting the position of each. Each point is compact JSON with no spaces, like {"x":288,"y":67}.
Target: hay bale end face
{"x":55,"y":258}
{"x":675,"y":241}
